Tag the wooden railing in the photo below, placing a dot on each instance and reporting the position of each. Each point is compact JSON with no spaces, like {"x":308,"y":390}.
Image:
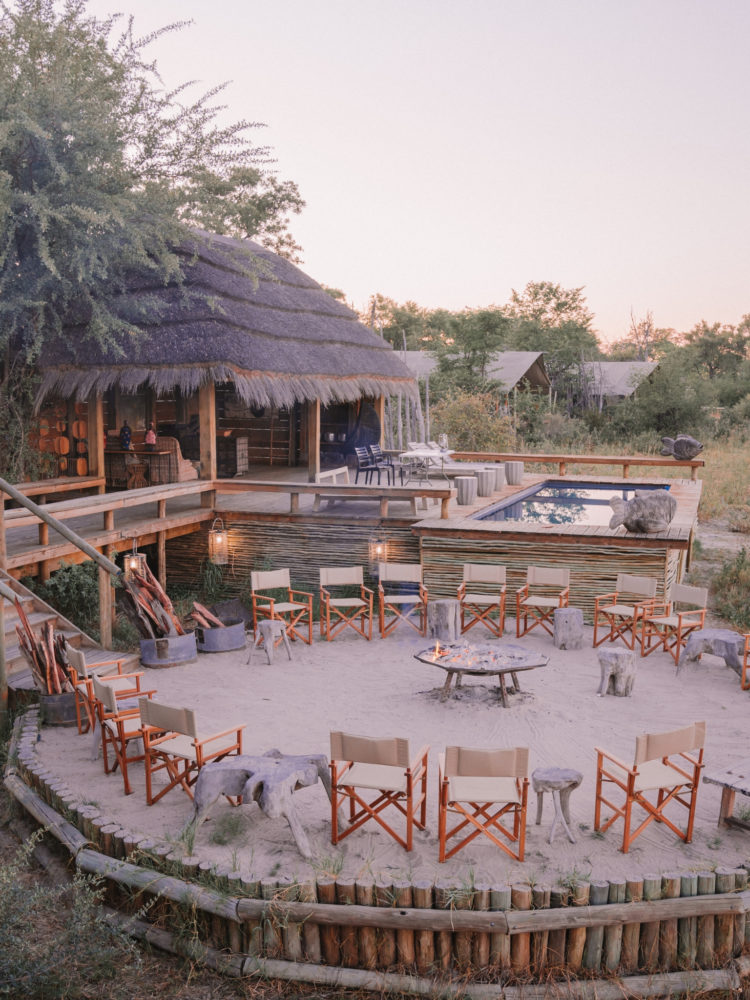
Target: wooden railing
{"x":382,"y":494}
{"x":43,"y":488}
{"x":625,"y":461}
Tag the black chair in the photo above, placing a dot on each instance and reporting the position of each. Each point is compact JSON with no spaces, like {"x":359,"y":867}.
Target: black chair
{"x":385,"y":462}
{"x":365,"y":464}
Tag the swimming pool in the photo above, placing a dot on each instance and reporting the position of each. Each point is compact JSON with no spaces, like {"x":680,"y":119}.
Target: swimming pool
{"x":559,"y":502}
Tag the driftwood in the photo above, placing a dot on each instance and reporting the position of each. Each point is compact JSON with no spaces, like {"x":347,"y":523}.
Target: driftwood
{"x":444,"y":619}
{"x":45,"y":654}
{"x":148,"y":607}
{"x":269,"y":780}
{"x":204,"y":617}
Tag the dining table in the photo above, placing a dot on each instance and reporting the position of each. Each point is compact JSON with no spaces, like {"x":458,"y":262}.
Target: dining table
{"x":420,"y":463}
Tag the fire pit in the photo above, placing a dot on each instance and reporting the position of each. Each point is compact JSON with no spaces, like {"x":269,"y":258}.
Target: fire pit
{"x":497,"y":659}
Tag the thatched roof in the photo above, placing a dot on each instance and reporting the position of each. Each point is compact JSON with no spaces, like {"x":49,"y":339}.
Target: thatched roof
{"x":506,"y":367}
{"x":617,"y":378}
{"x":275,"y":333}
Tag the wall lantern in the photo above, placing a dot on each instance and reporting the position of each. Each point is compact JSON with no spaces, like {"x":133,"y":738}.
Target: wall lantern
{"x":218,"y":543}
{"x":135,"y":564}
{"x":378,"y":552}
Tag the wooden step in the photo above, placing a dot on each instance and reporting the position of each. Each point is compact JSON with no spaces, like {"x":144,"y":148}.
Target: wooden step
{"x":35,"y":619}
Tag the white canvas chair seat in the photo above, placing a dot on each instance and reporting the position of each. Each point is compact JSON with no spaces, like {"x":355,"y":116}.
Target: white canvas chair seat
{"x":480,"y":599}
{"x":402,"y":606}
{"x":119,"y":724}
{"x":534,"y":609}
{"x":377,"y":776}
{"x":665,"y":763}
{"x":361,"y":766}
{"x":295,"y":611}
{"x":175,"y":750}
{"x":667,"y":625}
{"x":483,"y":790}
{"x":617,"y":615}
{"x":341,"y":610}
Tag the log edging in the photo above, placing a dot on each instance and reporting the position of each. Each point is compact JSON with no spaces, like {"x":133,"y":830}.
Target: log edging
{"x":281,"y":929}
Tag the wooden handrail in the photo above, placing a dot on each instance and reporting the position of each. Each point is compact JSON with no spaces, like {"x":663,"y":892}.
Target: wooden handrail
{"x":564,"y":460}
{"x":383,"y":494}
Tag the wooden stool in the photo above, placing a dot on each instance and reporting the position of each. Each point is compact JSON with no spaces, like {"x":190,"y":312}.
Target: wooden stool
{"x":561,"y":781}
{"x":271,"y":631}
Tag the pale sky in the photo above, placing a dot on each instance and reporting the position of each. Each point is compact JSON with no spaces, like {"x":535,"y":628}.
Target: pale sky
{"x":451,"y":151}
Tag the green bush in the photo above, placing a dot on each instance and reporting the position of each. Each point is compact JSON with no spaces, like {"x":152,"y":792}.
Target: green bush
{"x":74,"y":592}
{"x":472,"y":422}
{"x":731,"y":587}
{"x":54,"y":940}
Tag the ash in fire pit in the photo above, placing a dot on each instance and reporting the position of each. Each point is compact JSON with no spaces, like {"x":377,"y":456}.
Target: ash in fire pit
{"x":462,"y":658}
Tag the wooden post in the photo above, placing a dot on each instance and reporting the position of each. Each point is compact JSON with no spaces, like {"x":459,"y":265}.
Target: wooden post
{"x":424,"y":943}
{"x":576,"y":936}
{"x":346,"y":895}
{"x":649,"y":943}
{"x":207,"y":423}
{"x":687,"y":927}
{"x":613,"y":935}
{"x":161,"y":547}
{"x":540,"y":897}
{"x":670,"y":889}
{"x":592,"y":950}
{"x":520,"y":944}
{"x":724,"y":922}
{"x":556,"y":939}
{"x":105,"y":608}
{"x":95,"y":420}
{"x":368,"y":941}
{"x":379,"y":404}
{"x":313,"y":439}
{"x":705,"y":937}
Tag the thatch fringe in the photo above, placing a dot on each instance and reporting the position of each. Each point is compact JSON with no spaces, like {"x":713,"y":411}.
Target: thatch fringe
{"x":257,"y":389}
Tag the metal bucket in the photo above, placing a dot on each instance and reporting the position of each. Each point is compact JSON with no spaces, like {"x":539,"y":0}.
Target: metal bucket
{"x":169,"y":651}
{"x":58,"y":709}
{"x":220,"y":640}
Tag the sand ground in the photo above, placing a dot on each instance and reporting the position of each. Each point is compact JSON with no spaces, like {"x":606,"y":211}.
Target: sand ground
{"x":377,"y":688}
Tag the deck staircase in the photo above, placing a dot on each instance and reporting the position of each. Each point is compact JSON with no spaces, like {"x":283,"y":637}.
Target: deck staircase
{"x":19,"y":673}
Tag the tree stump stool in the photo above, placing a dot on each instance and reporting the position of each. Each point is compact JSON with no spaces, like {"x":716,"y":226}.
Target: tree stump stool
{"x":466,"y":489}
{"x":568,"y":628}
{"x":485,"y":482}
{"x":717,"y":641}
{"x":514,"y":473}
{"x":444,"y":619}
{"x":618,"y":672}
{"x":271,"y":631}
{"x":561,"y":781}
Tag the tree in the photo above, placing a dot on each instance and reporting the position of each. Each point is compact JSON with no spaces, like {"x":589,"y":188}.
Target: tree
{"x":405,"y":326}
{"x":465,"y":344}
{"x":103,"y":171}
{"x":718,"y":349}
{"x":556,"y":321}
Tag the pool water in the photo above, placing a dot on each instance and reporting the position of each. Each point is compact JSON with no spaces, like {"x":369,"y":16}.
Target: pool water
{"x":554,"y":502}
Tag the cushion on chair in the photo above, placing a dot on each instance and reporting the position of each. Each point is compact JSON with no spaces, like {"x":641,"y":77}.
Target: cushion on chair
{"x":478,"y":789}
{"x":393,"y":779}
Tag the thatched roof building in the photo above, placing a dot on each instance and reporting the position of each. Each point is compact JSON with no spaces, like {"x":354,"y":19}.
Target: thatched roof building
{"x":244,"y":315}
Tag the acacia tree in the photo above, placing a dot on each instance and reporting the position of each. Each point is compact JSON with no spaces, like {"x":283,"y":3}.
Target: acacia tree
{"x":103,"y":171}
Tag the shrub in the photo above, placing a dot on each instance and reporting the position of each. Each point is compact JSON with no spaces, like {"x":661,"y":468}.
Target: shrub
{"x":74,"y":592}
{"x":472,"y":422}
{"x":55,"y":942}
{"x":731,"y":587}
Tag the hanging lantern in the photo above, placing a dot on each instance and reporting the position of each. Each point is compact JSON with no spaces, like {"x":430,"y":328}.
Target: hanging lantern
{"x":135,"y":563}
{"x":218,"y":543}
{"x":378,"y":552}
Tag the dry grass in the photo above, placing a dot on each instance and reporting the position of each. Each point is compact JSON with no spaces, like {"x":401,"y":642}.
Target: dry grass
{"x":726,"y":479}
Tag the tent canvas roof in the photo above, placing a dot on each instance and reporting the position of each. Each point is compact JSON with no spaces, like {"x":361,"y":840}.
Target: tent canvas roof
{"x":507,"y":367}
{"x":618,"y":378}
{"x":244,"y":315}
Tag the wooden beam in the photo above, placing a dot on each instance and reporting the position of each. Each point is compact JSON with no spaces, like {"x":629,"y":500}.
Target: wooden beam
{"x":105,"y":608}
{"x":96,"y":433}
{"x":313,"y":439}
{"x":379,"y":404}
{"x":161,"y":547}
{"x":207,"y":422}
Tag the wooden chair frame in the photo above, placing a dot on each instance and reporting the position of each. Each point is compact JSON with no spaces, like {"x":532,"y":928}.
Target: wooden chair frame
{"x":745,"y":676}
{"x":620,"y":612}
{"x":483,"y":817}
{"x":295,"y":612}
{"x":171,"y":744}
{"x":664,"y":763}
{"x":664,"y":627}
{"x":478,"y":607}
{"x":396,"y":603}
{"x":355,"y":612}
{"x":370,"y":760}
{"x":540,"y":608}
{"x":119,"y":725}
{"x":80,"y":674}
